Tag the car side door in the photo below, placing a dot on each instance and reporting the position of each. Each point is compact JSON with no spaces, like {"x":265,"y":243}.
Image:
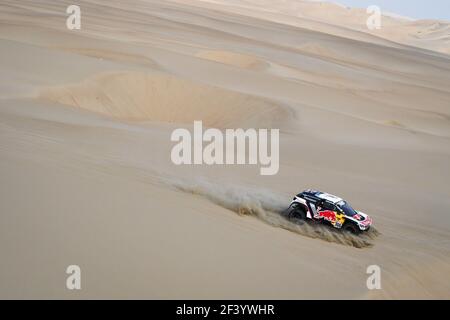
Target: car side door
{"x":327,"y":211}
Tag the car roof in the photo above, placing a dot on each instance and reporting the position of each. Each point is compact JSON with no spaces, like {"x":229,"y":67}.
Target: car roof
{"x":322,"y":195}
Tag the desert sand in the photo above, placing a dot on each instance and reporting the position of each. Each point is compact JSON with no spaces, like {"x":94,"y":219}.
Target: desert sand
{"x":86,"y":176}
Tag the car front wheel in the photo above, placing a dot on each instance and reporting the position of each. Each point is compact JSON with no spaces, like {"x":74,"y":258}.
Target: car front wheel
{"x":351,"y":228}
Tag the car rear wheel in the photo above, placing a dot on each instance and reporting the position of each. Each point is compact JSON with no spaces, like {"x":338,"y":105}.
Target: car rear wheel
{"x":296,"y":211}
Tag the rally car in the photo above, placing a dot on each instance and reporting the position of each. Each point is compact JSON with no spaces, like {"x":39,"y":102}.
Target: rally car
{"x":323,"y":207}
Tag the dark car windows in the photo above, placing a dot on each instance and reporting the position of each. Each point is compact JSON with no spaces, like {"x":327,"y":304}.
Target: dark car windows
{"x":328,"y":206}
{"x":348,"y":210}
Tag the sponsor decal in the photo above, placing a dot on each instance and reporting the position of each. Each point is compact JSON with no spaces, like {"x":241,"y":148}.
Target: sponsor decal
{"x":340,"y":219}
{"x":328,"y":215}
{"x":367,"y":222}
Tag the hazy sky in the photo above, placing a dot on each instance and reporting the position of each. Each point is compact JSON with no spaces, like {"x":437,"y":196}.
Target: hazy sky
{"x":418,"y":9}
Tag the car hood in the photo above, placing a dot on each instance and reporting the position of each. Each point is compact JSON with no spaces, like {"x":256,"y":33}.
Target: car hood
{"x":361,"y":218}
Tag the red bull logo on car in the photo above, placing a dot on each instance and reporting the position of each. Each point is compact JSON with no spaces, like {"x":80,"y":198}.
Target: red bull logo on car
{"x":328,"y":215}
{"x":335,"y":218}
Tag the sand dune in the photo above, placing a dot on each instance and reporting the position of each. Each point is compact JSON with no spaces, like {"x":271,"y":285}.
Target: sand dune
{"x":157,"y":97}
{"x":85,"y":124}
{"x":120,"y":57}
{"x":329,"y":17}
{"x":233,"y":59}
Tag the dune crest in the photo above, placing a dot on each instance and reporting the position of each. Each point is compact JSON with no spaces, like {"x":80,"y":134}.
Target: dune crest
{"x":341,"y":20}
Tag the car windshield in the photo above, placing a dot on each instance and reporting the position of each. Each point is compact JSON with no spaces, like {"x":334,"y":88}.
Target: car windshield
{"x":348,"y":210}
